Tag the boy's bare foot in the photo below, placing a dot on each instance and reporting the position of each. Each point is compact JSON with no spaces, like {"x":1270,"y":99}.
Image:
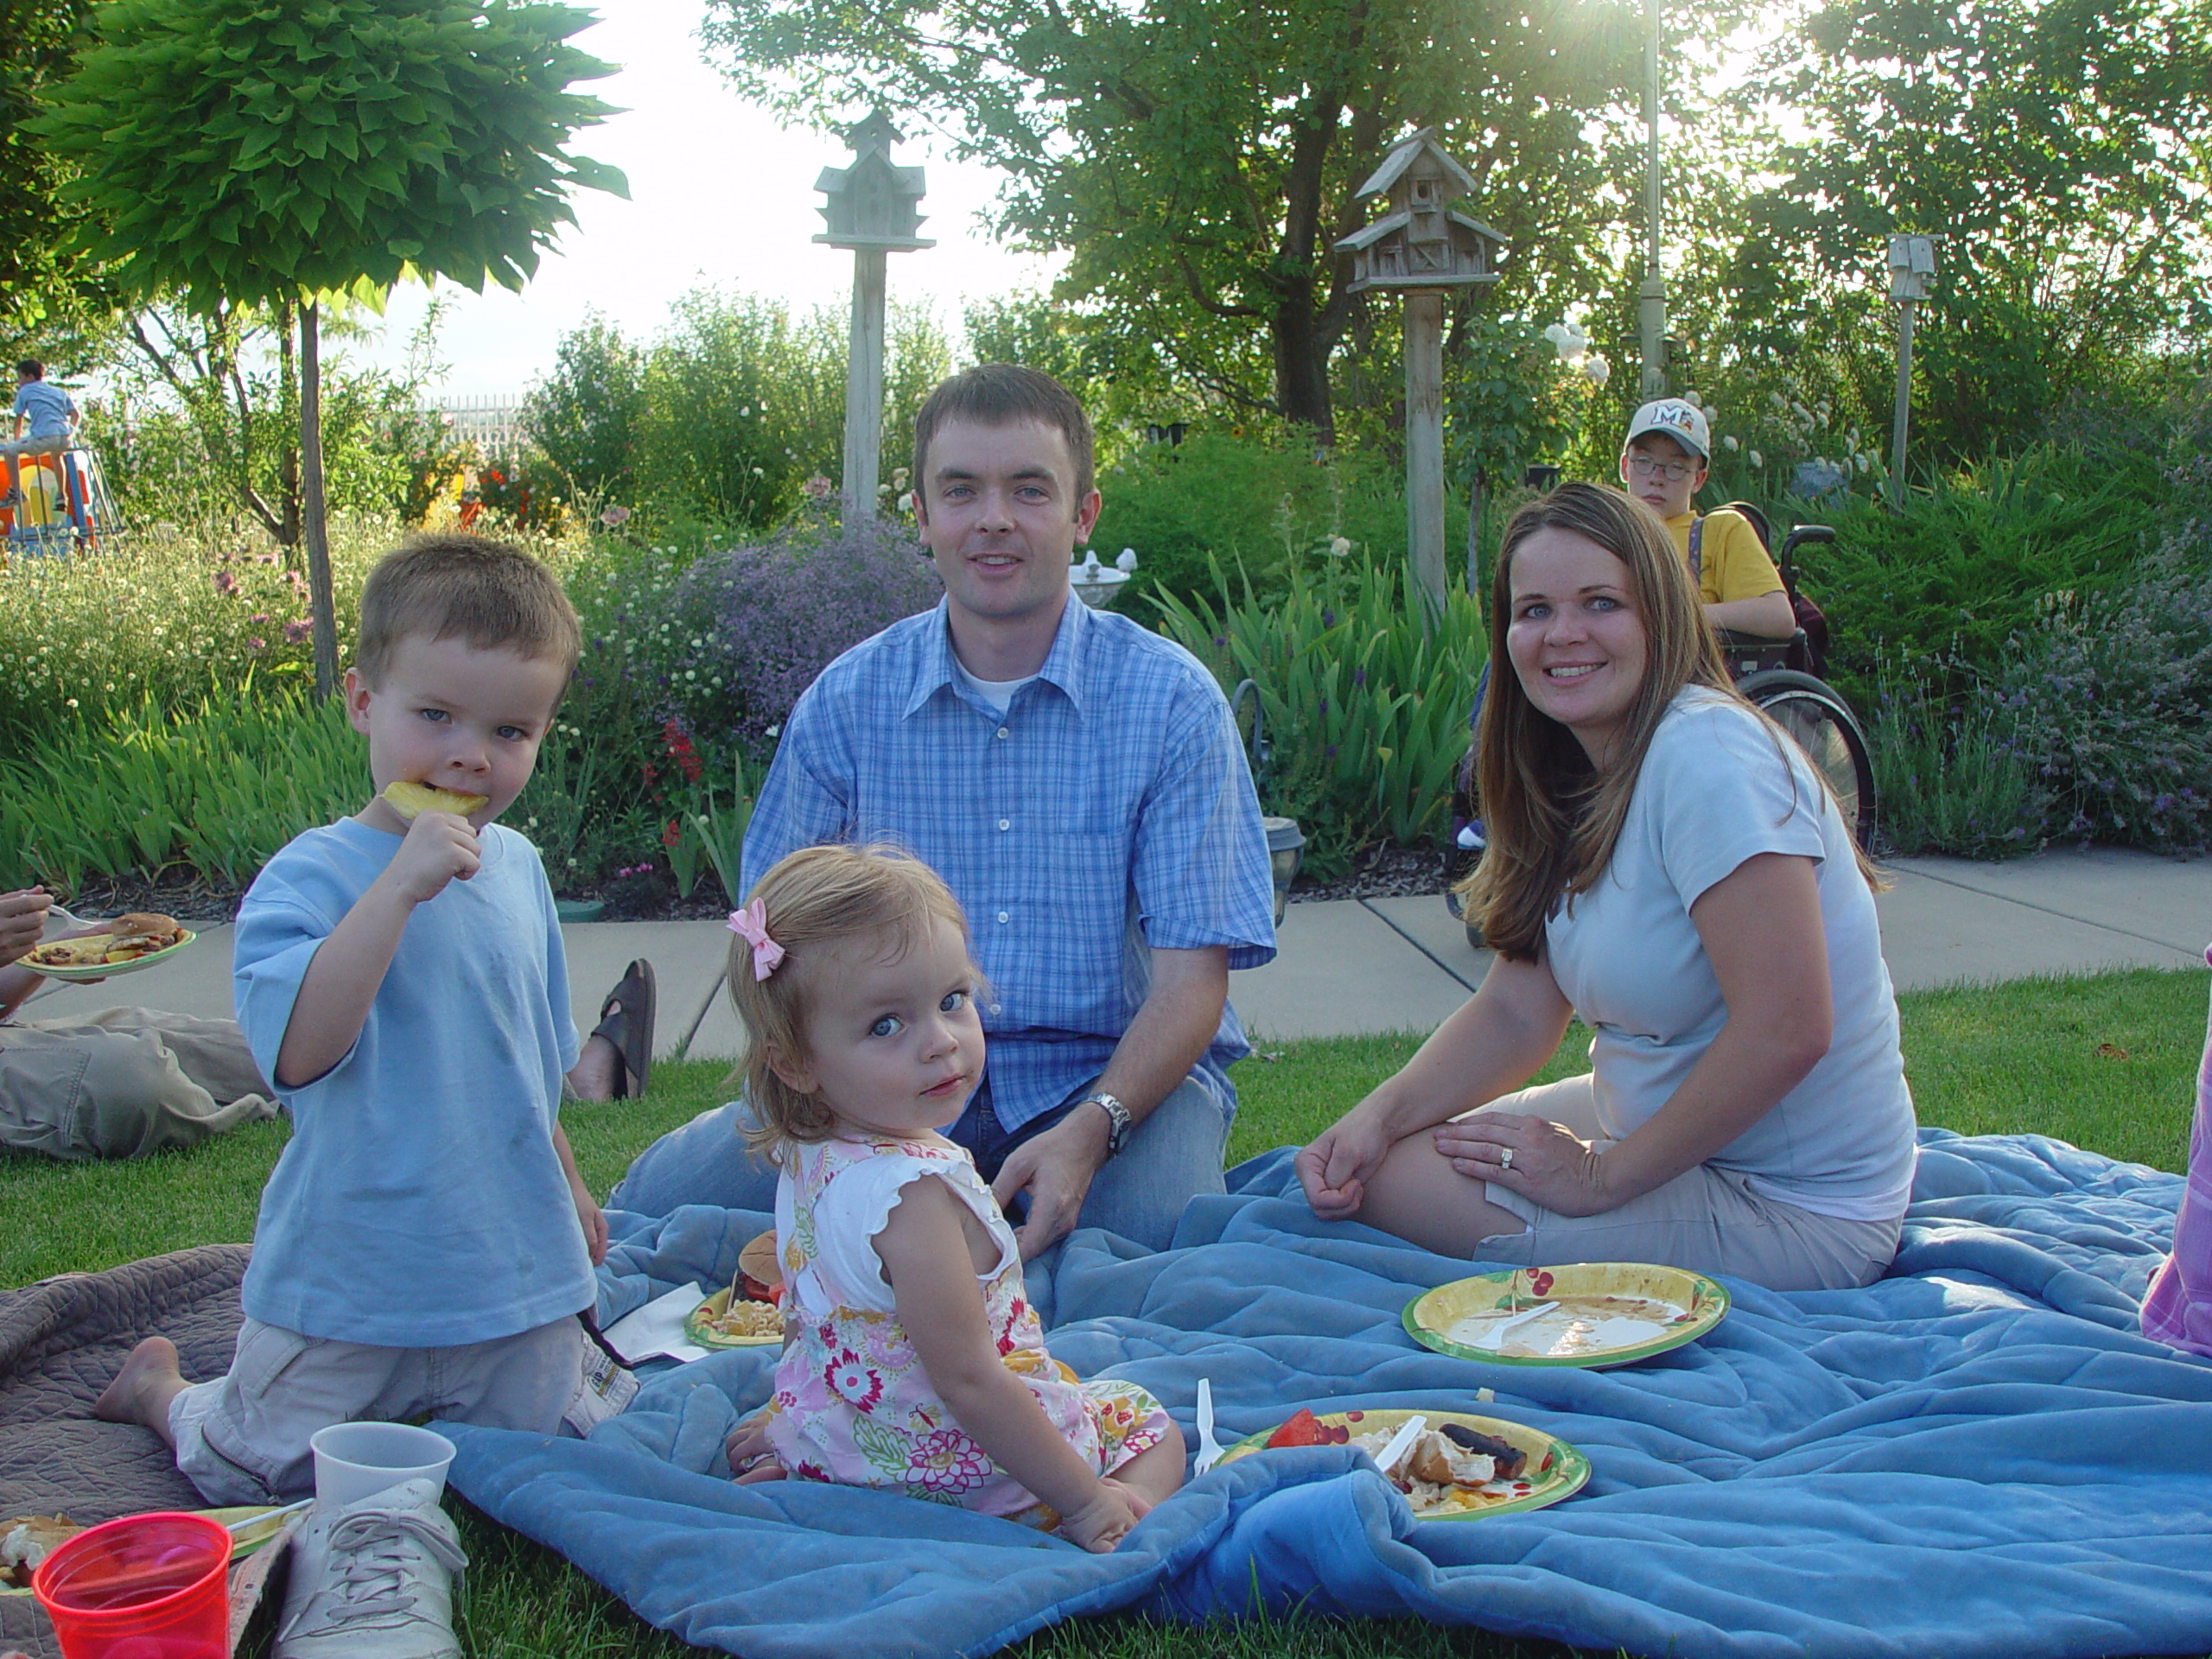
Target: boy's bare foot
{"x":143,"y":1389}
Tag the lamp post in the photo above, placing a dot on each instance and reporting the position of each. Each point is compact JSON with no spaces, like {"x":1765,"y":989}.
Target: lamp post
{"x":1420,"y":248}
{"x":1651,"y":297}
{"x":1912,"y":262}
{"x":872,"y":207}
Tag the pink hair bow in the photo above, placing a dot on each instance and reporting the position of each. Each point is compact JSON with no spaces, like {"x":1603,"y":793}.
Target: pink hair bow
{"x":751,"y":925}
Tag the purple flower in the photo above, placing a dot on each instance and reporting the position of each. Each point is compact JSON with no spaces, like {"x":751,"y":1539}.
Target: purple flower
{"x":225,"y":583}
{"x":772,"y":616}
{"x":255,"y":642}
{"x":295,"y":632}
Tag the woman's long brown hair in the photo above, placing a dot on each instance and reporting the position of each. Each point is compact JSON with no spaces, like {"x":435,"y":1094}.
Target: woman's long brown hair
{"x":1552,"y":818}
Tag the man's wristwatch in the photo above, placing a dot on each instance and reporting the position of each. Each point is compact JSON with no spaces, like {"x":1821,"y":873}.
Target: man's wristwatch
{"x":1118,"y":1120}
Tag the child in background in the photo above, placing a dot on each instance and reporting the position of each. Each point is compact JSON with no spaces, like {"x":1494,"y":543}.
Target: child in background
{"x":1662,"y":464}
{"x":2177,"y":1310}
{"x":914,"y":1362}
{"x":424,"y":1244}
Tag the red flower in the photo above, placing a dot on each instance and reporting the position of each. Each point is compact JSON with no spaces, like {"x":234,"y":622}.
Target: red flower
{"x":680,"y":750}
{"x":673,"y":833}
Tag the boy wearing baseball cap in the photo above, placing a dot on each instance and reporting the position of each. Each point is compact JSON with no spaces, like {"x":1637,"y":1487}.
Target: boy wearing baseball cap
{"x":1664,"y":465}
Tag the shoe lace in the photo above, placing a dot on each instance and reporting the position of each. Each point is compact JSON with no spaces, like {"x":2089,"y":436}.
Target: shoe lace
{"x":369,"y":1560}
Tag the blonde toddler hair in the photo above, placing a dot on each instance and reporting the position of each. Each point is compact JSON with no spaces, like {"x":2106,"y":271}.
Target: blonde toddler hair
{"x":816,"y":899}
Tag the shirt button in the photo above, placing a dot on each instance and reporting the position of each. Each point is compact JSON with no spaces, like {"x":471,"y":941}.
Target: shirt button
{"x":1004,"y":733}
{"x":1003,"y":917}
{"x":1006,"y":823}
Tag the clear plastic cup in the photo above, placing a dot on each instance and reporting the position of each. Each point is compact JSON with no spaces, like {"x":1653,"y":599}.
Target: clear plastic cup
{"x":144,"y":1586}
{"x":357,"y":1460}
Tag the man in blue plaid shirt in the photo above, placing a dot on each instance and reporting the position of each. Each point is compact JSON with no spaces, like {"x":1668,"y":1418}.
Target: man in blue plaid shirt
{"x":1077,"y":781}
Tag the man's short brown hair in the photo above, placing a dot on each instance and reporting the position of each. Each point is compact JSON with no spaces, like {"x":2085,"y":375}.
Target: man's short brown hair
{"x":1005,"y":394}
{"x":453,"y":585}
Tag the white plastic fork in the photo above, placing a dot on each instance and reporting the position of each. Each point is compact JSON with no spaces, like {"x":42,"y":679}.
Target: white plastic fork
{"x":1210,"y":1449}
{"x":1494,"y":1336}
{"x":1399,"y":1444}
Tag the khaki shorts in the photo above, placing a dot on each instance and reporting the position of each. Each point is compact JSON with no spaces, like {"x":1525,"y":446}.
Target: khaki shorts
{"x":1705,"y":1219}
{"x":243,"y":1439}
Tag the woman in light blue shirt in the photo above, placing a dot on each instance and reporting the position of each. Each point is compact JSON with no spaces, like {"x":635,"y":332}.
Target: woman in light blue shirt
{"x":1665,"y":863}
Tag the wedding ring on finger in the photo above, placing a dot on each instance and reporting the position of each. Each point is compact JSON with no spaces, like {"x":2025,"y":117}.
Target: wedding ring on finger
{"x":1505,"y":1159}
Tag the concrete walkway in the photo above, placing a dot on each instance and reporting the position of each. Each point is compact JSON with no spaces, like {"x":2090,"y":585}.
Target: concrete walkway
{"x":1401,"y":964}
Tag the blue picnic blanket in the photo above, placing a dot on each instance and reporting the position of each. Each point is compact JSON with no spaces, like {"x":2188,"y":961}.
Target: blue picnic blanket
{"x":1978,"y":1455}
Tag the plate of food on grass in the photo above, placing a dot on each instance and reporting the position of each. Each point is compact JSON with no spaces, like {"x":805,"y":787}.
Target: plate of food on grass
{"x":27,"y":1540}
{"x":129,"y":944}
{"x":1449,"y":1465}
{"x":748,"y":1313}
{"x":1589,"y":1313}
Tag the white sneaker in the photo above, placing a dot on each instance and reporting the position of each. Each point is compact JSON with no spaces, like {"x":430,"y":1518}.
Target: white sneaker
{"x":373,"y":1580}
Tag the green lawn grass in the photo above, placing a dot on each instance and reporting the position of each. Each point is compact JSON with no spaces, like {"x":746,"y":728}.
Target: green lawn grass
{"x":2106,"y":1063}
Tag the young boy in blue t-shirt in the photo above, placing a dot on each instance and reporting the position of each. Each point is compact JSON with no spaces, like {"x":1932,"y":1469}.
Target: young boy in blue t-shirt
{"x":425,"y":1242}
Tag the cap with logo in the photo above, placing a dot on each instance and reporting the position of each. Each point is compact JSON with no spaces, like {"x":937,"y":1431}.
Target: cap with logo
{"x":1684,"y":423}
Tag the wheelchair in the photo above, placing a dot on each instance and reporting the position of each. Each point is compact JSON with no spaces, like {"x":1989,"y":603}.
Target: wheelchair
{"x":1775,"y":676}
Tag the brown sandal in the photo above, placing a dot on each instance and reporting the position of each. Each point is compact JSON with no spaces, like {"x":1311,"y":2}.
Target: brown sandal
{"x":625,"y":1019}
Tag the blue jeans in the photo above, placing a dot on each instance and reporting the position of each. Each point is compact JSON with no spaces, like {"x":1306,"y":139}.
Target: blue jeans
{"x":1174,"y":1155}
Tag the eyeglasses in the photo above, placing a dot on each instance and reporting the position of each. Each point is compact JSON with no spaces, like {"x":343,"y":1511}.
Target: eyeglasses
{"x":1672,"y":471}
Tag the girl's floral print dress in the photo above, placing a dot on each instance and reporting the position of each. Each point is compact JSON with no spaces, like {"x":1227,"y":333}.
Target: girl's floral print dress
{"x":852,"y":1403}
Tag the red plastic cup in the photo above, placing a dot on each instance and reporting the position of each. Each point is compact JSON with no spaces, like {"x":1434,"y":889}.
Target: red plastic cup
{"x":143,"y":1586}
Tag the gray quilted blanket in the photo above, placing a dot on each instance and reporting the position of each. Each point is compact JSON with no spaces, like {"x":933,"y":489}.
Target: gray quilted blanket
{"x":61,"y":1340}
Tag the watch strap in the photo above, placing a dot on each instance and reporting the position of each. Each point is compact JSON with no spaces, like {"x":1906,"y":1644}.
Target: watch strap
{"x":1119,"y":1122}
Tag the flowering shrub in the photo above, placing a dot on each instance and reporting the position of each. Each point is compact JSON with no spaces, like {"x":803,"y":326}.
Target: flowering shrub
{"x":2110,"y":699}
{"x":752,"y":626}
{"x":162,"y":617}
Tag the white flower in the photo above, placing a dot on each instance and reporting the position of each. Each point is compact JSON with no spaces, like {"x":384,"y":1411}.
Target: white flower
{"x":1729,"y":443}
{"x":1597,"y":368}
{"x":1692,"y":400}
{"x":1339,"y":546}
{"x":1569,"y":341}
{"x":1758,"y":459}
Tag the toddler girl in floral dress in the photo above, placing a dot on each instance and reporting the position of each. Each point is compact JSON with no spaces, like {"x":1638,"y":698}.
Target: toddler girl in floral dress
{"x":2177,"y":1310}
{"x":913,"y":1362}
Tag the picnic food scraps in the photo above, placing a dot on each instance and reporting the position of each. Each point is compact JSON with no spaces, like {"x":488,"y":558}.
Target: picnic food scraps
{"x":27,"y":1540}
{"x":1569,"y":1327}
{"x":126,"y":938}
{"x":1450,"y":1465}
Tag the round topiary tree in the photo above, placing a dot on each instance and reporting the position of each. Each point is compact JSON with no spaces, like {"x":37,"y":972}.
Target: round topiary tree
{"x":266,"y":151}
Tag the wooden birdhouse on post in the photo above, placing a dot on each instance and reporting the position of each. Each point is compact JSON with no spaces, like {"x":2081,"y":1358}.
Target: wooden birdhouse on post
{"x":873,"y":207}
{"x":1421,"y":247}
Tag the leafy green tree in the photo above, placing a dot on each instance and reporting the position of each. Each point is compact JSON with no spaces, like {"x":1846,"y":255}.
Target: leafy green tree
{"x":46,"y":295}
{"x":2057,"y":147}
{"x":1198,"y":157}
{"x":584,"y":415}
{"x":729,"y":409}
{"x":270,"y":152}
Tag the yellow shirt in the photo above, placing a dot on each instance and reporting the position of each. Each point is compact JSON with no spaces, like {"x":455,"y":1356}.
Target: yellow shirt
{"x":1731,"y":563}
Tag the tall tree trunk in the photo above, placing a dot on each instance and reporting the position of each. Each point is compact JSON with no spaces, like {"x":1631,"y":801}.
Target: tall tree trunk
{"x":319,"y":588}
{"x":288,"y":465}
{"x":1302,"y":366}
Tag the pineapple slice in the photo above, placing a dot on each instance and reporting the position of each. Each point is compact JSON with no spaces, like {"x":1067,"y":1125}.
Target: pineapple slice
{"x":407,"y":799}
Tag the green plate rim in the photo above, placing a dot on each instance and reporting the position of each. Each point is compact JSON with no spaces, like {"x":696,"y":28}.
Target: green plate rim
{"x":695,"y":1331}
{"x":111,"y":969}
{"x":1703,"y":1286}
{"x":1571,"y":1468}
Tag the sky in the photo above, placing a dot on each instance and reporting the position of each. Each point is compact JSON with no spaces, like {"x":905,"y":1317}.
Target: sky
{"x":720,"y":194}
